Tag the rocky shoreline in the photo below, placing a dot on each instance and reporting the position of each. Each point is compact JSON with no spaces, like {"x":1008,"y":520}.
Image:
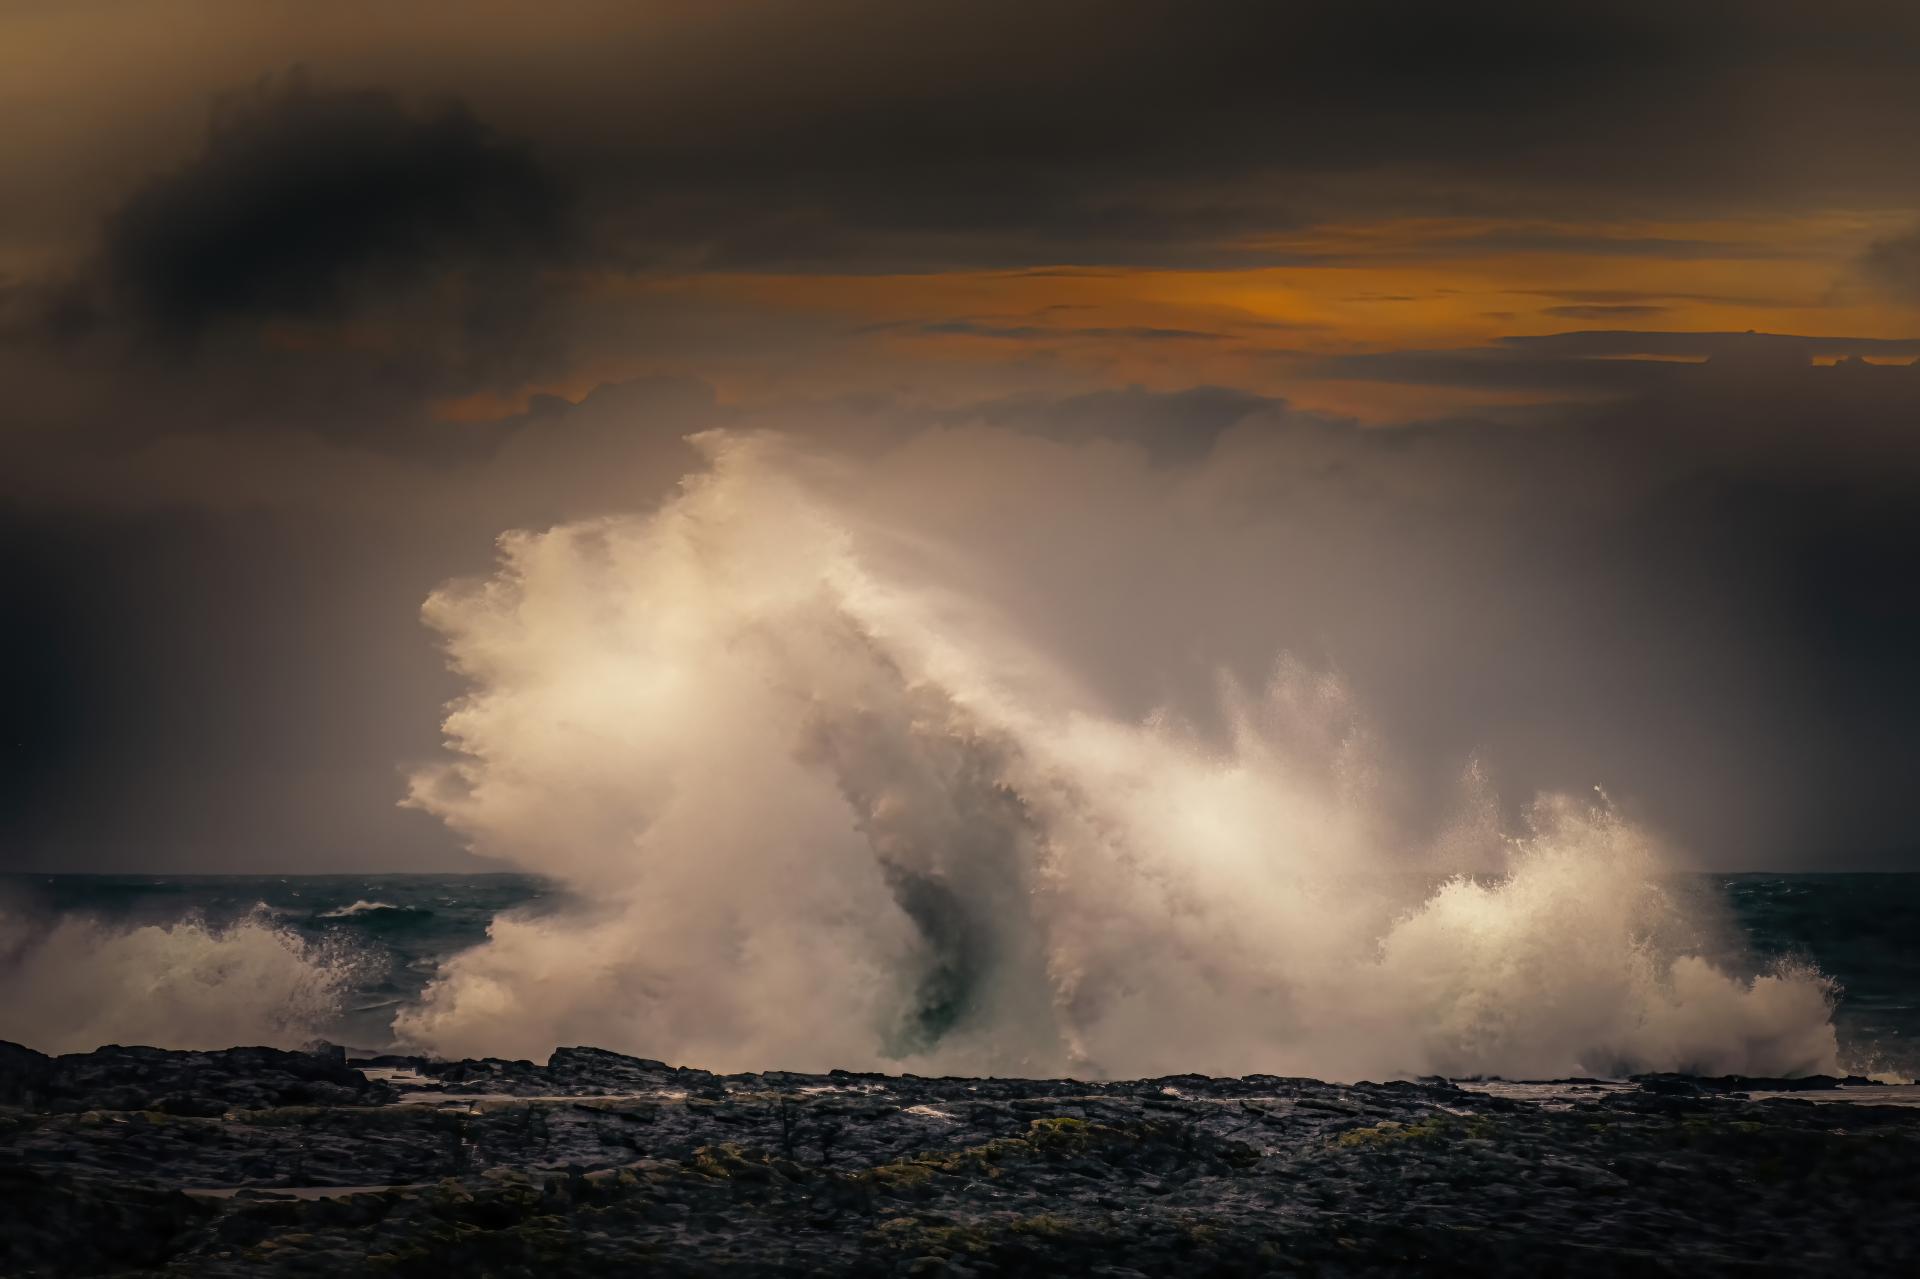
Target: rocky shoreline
{"x":255,"y":1161}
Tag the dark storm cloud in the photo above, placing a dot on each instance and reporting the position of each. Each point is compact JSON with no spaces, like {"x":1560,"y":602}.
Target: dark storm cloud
{"x":331,"y":260}
{"x":1000,"y":135}
{"x":305,"y":197}
{"x":861,"y":136}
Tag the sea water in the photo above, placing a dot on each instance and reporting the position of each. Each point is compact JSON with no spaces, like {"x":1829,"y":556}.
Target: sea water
{"x":152,"y":958}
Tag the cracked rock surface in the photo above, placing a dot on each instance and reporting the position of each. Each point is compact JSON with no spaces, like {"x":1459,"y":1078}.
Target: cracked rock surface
{"x":252,"y":1161}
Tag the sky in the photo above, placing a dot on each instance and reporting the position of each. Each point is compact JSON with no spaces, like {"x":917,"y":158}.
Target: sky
{"x":1552,"y":371}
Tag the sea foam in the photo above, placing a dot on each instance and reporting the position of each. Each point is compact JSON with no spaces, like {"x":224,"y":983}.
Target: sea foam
{"x":829,"y":807}
{"x":73,"y":983}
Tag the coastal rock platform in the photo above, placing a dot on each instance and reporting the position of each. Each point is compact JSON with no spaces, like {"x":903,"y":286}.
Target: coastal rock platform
{"x":253,"y":1161}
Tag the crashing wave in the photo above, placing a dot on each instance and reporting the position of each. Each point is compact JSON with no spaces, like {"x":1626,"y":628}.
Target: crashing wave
{"x":831,"y":810}
{"x":75,"y":983}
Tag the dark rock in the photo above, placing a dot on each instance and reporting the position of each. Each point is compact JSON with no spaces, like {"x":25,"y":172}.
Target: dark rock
{"x":24,"y":1074}
{"x":599,"y":1164}
{"x":181,"y":1083}
{"x":1669,"y":1085}
{"x":1751,"y":1083}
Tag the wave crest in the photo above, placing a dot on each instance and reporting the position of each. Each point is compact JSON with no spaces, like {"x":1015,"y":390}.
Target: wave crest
{"x":76,"y":983}
{"x":832,"y":810}
{"x":366,"y":907}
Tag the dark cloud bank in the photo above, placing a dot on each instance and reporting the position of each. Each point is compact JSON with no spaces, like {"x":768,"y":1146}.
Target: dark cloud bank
{"x":862,"y":136}
{"x":372,"y":196}
{"x":859,"y":136}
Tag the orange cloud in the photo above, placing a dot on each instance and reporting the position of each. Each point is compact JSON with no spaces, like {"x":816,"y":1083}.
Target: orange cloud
{"x":1409,"y":284}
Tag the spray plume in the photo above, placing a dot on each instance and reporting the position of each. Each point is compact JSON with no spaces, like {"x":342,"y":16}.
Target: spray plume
{"x":823,"y":805}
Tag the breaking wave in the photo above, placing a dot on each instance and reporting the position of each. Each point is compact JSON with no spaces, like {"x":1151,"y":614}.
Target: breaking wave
{"x":365,"y":907}
{"x":75,"y":982}
{"x":831,"y":809}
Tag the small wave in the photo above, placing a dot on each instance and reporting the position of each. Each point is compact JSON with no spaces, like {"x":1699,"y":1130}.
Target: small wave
{"x":365,"y":907}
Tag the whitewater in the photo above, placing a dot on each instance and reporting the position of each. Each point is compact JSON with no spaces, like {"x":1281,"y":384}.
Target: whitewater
{"x":815,"y":800}
{"x":831,"y":811}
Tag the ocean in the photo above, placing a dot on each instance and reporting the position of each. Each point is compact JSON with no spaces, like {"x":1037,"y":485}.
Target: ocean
{"x":379,"y":939}
{"x":120,"y":957}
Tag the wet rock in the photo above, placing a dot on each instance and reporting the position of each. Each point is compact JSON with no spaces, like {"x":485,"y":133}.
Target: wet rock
{"x":596,"y":1163}
{"x":52,"y":1223}
{"x":182,"y":1083}
{"x":1750,"y":1083}
{"x":24,"y":1075}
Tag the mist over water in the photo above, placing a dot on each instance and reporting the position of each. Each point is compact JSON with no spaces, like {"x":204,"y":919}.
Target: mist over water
{"x":213,"y":961}
{"x":75,"y":982}
{"x":833,"y":805}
